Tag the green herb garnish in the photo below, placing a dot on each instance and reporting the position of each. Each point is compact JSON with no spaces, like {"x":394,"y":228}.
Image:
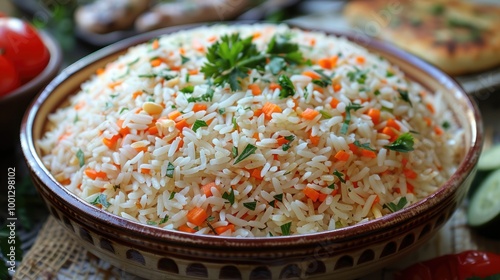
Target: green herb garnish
{"x":396,"y":207}
{"x":365,"y":146}
{"x":276,"y":65}
{"x":403,"y":144}
{"x":280,"y":46}
{"x":151,"y":223}
{"x":222,"y":111}
{"x":325,"y":114}
{"x":199,"y":123}
{"x":164,"y":220}
{"x":285,"y":228}
{"x":123,"y":110}
{"x":250,"y":205}
{"x":188,"y":89}
{"x":278,"y":197}
{"x":325,"y":79}
{"x":249,"y":150}
{"x":345,"y":124}
{"x":101,"y":199}
{"x":437,"y":9}
{"x":287,"y":87}
{"x":184,"y":59}
{"x":172,"y":195}
{"x":357,"y":75}
{"x":81,"y":157}
{"x":339,"y":175}
{"x":170,"y":170}
{"x":234,"y":151}
{"x":229,"y":196}
{"x":446,"y":125}
{"x":404,"y":95}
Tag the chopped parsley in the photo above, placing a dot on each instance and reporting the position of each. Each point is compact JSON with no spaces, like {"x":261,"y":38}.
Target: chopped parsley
{"x":249,"y":150}
{"x":276,"y":65}
{"x":81,"y":157}
{"x":396,"y":207}
{"x":209,"y":95}
{"x":101,"y":199}
{"x":404,"y":95}
{"x":437,"y":9}
{"x":280,"y":46}
{"x":188,"y":89}
{"x":389,"y":74}
{"x":76,"y":119}
{"x":184,"y":59}
{"x":446,"y":125}
{"x":286,"y":146}
{"x":234,"y":151}
{"x":222,"y":111}
{"x":172,"y":195}
{"x":403,"y":144}
{"x":229,"y":196}
{"x":325,"y":114}
{"x":339,"y":175}
{"x":285,"y":228}
{"x":325,"y":80}
{"x":170,"y":170}
{"x":154,"y":75}
{"x":123,"y":110}
{"x":235,"y":123}
{"x":250,"y":205}
{"x":287,"y":87}
{"x":164,"y":220}
{"x":278,"y":197}
{"x":365,"y":146}
{"x":345,"y":124}
{"x":199,"y":123}
{"x":151,"y":223}
{"x":133,"y":62}
{"x":357,"y":75}
{"x":376,"y":92}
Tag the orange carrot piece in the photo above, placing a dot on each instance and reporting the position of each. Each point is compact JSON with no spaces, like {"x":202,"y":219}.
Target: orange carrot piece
{"x":392,"y":123}
{"x":145,"y":170}
{"x":222,"y":229}
{"x":100,"y":71}
{"x":337,"y":87}
{"x":153,"y":130}
{"x":173,"y":115}
{"x":334,"y":103}
{"x":156,"y":44}
{"x":156,"y":62}
{"x":112,"y":85}
{"x":136,"y":94}
{"x":428,"y":121}
{"x":193,"y":72}
{"x":391,"y":132}
{"x":376,"y":200}
{"x":410,"y":188}
{"x":79,"y":105}
{"x":368,"y":153}
{"x":269,"y":108}
{"x":342,"y":155}
{"x":404,"y":162}
{"x":438,"y":130}
{"x":430,"y":107}
{"x":314,"y":139}
{"x":333,"y":60}
{"x":92,"y":174}
{"x":141,"y":149}
{"x":374,"y":114}
{"x":322,"y":197}
{"x":360,"y":59}
{"x":257,"y":112}
{"x":281,"y":141}
{"x":274,"y":86}
{"x":187,"y":229}
{"x":410,"y":174}
{"x":111,"y":143}
{"x":256,"y":174}
{"x":353,"y":148}
{"x":311,"y":193}
{"x":199,"y":107}
{"x":311,"y":74}
{"x":207,"y":189}
{"x":181,"y":124}
{"x":255,"y":89}
{"x":325,"y":63}
{"x":197,"y":216}
{"x":309,"y":114}
{"x":256,"y":35}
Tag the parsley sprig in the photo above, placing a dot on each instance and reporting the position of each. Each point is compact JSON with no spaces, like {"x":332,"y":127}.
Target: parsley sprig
{"x":347,"y":120}
{"x":404,"y":143}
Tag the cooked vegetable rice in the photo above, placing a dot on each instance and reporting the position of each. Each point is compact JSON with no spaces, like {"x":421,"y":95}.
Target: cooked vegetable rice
{"x":269,"y":131}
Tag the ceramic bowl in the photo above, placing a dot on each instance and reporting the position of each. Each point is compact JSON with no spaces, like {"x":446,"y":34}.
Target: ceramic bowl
{"x":14,"y":104}
{"x":350,"y":252}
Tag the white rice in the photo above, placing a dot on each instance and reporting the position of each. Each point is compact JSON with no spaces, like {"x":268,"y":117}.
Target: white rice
{"x":133,"y":178}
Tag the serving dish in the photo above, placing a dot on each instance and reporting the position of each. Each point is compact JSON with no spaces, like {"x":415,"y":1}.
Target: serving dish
{"x":13,"y":105}
{"x":349,"y":252}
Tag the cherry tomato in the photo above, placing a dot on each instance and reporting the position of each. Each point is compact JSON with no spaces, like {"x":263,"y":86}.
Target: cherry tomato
{"x":9,"y":80}
{"x":21,"y":44}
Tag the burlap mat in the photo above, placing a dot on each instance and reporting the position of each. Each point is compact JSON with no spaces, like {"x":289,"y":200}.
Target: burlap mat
{"x":56,"y":255}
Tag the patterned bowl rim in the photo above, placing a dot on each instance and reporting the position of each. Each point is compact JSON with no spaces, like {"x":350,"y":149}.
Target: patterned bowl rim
{"x":466,"y":167}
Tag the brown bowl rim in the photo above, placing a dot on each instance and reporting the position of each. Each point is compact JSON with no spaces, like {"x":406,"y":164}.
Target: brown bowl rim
{"x":153,"y":233}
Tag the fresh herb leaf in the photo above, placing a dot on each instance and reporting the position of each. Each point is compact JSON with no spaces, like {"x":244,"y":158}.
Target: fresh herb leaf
{"x":222,"y":111}
{"x":210,"y":219}
{"x":172,"y":195}
{"x":396,"y":207}
{"x":357,"y":75}
{"x":249,"y":150}
{"x":332,"y":186}
{"x":389,"y":74}
{"x":339,"y":175}
{"x":287,"y":87}
{"x":230,"y":59}
{"x":76,"y":119}
{"x":365,"y":146}
{"x":229,"y":196}
{"x":285,"y":228}
{"x":151,"y":223}
{"x":209,"y":95}
{"x":81,"y":157}
{"x":123,"y":110}
{"x":235,"y":124}
{"x":446,"y":125}
{"x":194,"y":99}
{"x":170,"y":170}
{"x":188,"y":89}
{"x":187,"y":77}
{"x":306,"y":93}
{"x":133,"y":61}
{"x":345,"y":124}
{"x":199,"y":123}
{"x":376,"y":92}
{"x":276,"y":65}
{"x":234,"y":151}
{"x":101,"y":199}
{"x":404,"y":95}
{"x":278,"y":197}
{"x":184,"y":59}
{"x":154,"y":75}
{"x":286,"y":146}
{"x":164,"y":220}
{"x":325,"y":114}
{"x":250,"y":205}
{"x":272,"y":203}
{"x":290,"y":137}
{"x":325,"y":79}
{"x":437,"y":9}
{"x":281,"y":46}
{"x":403,"y":144}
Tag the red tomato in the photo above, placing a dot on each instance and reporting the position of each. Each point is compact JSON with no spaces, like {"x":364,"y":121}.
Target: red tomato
{"x":21,"y":44}
{"x":9,"y":80}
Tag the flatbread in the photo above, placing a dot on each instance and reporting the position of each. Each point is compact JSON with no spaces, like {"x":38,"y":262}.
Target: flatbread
{"x":459,"y":37}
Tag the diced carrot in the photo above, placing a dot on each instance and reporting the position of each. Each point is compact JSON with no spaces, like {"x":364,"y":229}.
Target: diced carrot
{"x":281,"y":141}
{"x":391,"y":132}
{"x":404,"y":162}
{"x":295,"y":103}
{"x":222,"y":229}
{"x":334,"y":192}
{"x":199,"y":107}
{"x":374,"y":114}
{"x":156,"y":62}
{"x":79,"y":105}
{"x":376,"y":200}
{"x":256,"y":174}
{"x":274,"y":86}
{"x":311,"y":74}
{"x":311,"y":193}
{"x":181,"y":124}
{"x":269,"y":108}
{"x":392,"y":123}
{"x":309,"y":114}
{"x":342,"y":155}
{"x":312,"y":42}
{"x":92,"y":174}
{"x":337,"y":87}
{"x":256,"y":35}
{"x":212,"y":39}
{"x":255,"y":89}
{"x":173,"y":115}
{"x":318,"y":89}
{"x":124,"y":130}
{"x":430,"y":107}
{"x":360,"y":59}
{"x":182,"y":51}
{"x":64,"y":136}
{"x":193,"y":71}
{"x":314,"y":139}
{"x":275,"y":157}
{"x":65,"y":181}
{"x":136,"y":94}
{"x":355,"y":184}
{"x":187,"y":229}
{"x":100,"y":71}
{"x":322,"y":197}
{"x":112,"y":85}
{"x":197,"y":216}
{"x":333,"y":60}
{"x":353,"y":148}
{"x":325,"y":63}
{"x":111,"y":143}
{"x":155,"y":45}
{"x":334,"y":103}
{"x":145,"y":170}
{"x":141,"y":149}
{"x":410,"y":188}
{"x":410,"y":174}
{"x":438,"y":130}
{"x":207,"y":189}
{"x":256,"y":136}
{"x":368,"y":153}
{"x":428,"y":121}
{"x":257,"y":112}
{"x":153,"y":130}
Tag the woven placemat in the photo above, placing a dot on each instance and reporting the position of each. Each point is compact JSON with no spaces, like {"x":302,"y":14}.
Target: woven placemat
{"x":56,"y":255}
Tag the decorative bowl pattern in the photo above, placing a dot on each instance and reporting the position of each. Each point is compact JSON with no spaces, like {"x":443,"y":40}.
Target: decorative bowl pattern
{"x":345,"y":253}
{"x":14,"y":104}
